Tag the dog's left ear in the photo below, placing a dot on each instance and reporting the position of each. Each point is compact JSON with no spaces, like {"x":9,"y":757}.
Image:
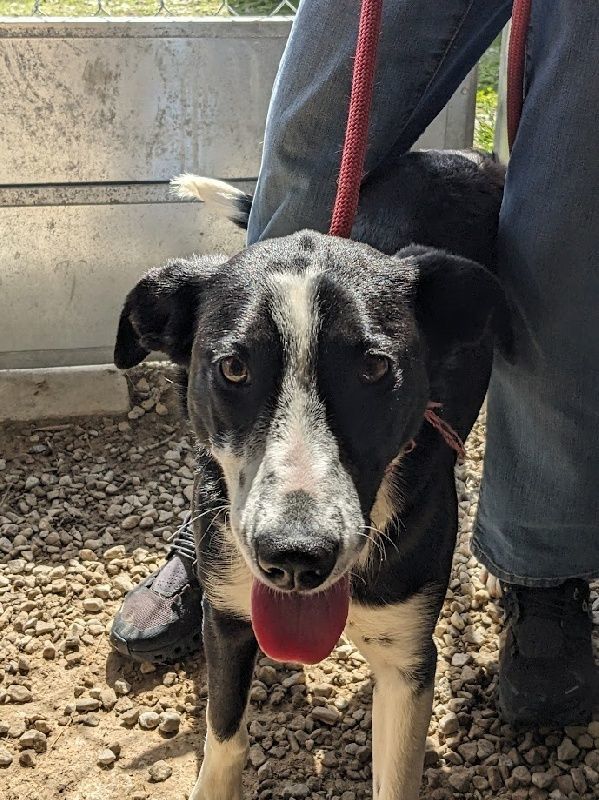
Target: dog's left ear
{"x":160,"y":312}
{"x":457,"y":301}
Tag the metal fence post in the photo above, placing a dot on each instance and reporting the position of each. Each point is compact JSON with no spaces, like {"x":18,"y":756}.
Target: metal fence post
{"x":500,"y":144}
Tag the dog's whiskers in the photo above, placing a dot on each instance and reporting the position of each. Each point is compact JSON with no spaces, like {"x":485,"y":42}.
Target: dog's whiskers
{"x":384,"y":535}
{"x":374,"y":540}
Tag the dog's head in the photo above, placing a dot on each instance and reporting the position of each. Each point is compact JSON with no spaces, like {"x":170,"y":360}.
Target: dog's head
{"x":308,"y":373}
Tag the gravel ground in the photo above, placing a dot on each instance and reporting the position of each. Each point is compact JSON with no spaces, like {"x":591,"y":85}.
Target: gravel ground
{"x":86,"y":510}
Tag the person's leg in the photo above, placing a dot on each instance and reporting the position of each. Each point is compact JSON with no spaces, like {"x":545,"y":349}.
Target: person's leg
{"x":538,"y":521}
{"x":426,"y":49}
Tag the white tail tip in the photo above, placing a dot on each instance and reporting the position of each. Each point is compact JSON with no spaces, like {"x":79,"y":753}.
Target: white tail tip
{"x":207,"y":190}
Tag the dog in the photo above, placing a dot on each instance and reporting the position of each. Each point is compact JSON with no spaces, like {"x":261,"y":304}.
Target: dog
{"x":325,"y":501}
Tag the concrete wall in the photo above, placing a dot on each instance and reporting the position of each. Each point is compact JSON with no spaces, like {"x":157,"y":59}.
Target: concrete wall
{"x":97,"y":116}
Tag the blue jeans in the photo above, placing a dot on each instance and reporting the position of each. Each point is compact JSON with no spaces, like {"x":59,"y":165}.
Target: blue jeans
{"x":538,"y":520}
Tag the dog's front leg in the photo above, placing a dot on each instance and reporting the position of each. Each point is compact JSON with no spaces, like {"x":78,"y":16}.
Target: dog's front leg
{"x":230,"y":649}
{"x":400,"y":718}
{"x":397,"y":641}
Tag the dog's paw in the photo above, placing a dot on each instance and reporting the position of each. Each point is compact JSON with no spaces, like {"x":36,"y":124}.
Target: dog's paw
{"x":491,"y":584}
{"x":198,"y":793}
{"x":212,"y":790}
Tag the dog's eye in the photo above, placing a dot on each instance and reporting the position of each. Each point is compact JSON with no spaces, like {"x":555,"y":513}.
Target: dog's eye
{"x":374,"y":368}
{"x":234,"y":370}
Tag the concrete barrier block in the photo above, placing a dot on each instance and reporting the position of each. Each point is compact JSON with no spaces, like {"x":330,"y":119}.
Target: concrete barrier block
{"x":34,"y":394}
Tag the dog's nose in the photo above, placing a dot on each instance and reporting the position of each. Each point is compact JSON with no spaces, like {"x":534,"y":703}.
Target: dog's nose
{"x":299,"y":565}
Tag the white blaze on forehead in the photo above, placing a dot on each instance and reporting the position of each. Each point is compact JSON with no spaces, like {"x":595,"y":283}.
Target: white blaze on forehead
{"x":295,"y":313}
{"x":303,"y":445}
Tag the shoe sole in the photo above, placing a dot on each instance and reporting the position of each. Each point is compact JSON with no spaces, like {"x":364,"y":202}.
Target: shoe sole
{"x":519,"y":712}
{"x":189,"y":646}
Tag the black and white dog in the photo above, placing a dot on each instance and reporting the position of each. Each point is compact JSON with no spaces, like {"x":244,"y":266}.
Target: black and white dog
{"x":308,"y":362}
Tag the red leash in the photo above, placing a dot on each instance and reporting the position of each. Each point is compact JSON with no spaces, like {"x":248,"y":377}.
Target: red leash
{"x":515,"y":67}
{"x":356,"y":132}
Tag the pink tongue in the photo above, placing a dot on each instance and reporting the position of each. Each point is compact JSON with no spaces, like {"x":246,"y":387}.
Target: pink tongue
{"x":299,"y":627}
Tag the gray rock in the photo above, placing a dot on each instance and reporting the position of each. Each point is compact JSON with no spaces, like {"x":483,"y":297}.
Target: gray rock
{"x":33,"y":740}
{"x":268,"y":675}
{"x":522,"y":775}
{"x":485,"y":748}
{"x":160,"y":771}
{"x":579,"y":781}
{"x":469,"y":752}
{"x":149,"y":720}
{"x":457,"y":622}
{"x":258,"y":694}
{"x":593,"y":729}
{"x":43,"y":725}
{"x":121,"y":687}
{"x":108,"y":699}
{"x":257,"y":756}
{"x":542,"y":780}
{"x":327,"y":714}
{"x":123,"y":584}
{"x":27,"y":758}
{"x":460,"y":659}
{"x":459,"y":779}
{"x":93,"y":605}
{"x":565,"y":784}
{"x":299,"y":791}
{"x":18,"y":694}
{"x":567,"y":751}
{"x":130,"y":717}
{"x":90,"y":720}
{"x":118,"y":551}
{"x":322,"y":690}
{"x":6,"y":757}
{"x":85,"y":704}
{"x":43,"y":628}
{"x":449,"y":724}
{"x":536,"y":756}
{"x":170,"y":722}
{"x":592,"y":760}
{"x":106,"y":758}
{"x":265,"y":772}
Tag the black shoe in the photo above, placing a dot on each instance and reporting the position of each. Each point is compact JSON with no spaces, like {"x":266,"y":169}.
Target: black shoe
{"x":161,"y":619}
{"x":546,"y":670}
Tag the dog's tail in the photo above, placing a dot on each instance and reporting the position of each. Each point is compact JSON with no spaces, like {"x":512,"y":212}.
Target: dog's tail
{"x":220,"y":197}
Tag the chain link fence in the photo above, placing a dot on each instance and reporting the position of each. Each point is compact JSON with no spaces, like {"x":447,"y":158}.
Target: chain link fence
{"x":134,"y":8}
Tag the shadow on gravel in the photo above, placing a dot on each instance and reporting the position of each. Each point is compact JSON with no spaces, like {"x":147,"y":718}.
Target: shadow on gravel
{"x":193,"y":703}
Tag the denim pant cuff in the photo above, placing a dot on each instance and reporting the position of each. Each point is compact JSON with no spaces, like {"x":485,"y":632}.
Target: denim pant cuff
{"x":520,"y":580}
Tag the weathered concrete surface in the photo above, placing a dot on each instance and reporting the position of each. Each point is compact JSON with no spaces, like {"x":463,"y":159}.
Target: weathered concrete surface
{"x":122,"y":100}
{"x":35,"y":394}
{"x":65,"y":269}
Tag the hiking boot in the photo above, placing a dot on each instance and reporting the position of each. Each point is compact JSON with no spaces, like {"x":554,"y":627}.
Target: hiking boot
{"x":546,"y":670}
{"x":161,"y":619}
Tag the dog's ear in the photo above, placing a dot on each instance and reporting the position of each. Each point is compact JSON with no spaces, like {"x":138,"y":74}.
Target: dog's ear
{"x":160,"y":312}
{"x":457,"y":301}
